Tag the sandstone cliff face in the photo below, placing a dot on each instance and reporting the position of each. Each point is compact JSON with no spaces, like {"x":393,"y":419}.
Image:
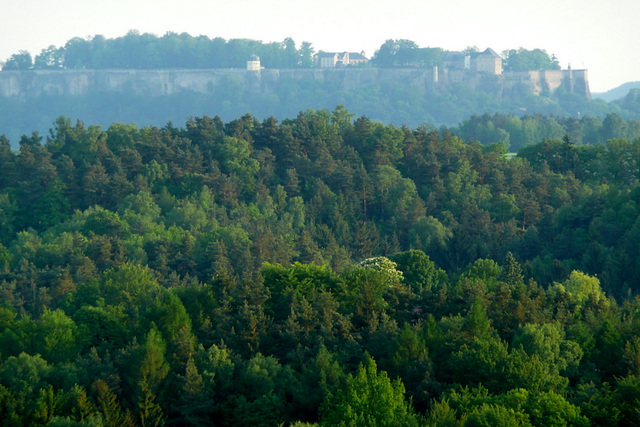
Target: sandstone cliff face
{"x":35,"y":83}
{"x":548,"y":81}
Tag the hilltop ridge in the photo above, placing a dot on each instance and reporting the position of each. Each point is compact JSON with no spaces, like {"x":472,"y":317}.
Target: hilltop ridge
{"x":159,"y":82}
{"x":137,"y":78}
{"x":617,"y":92}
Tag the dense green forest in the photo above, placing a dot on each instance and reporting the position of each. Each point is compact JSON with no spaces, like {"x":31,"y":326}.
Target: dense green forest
{"x":323,"y":269}
{"x":519,"y":132}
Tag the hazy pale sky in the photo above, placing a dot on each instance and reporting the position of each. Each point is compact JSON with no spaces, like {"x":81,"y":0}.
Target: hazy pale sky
{"x":601,"y":36}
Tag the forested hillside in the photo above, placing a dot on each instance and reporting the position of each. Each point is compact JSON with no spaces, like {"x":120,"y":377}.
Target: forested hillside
{"x":398,"y":103}
{"x":322,"y":269}
{"x":519,"y":132}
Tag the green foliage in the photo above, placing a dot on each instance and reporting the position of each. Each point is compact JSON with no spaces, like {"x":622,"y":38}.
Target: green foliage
{"x":213,"y":274}
{"x":442,"y":415}
{"x":150,"y":366}
{"x":548,"y":342}
{"x":525,"y":60}
{"x":553,"y":409}
{"x":494,"y":415}
{"x":172,"y":50}
{"x":581,"y":287}
{"x":24,"y":374}
{"x":57,"y":335}
{"x":417,"y":270}
{"x":299,"y":280}
{"x":399,"y":101}
{"x":431,"y":234}
{"x":487,"y":270}
{"x":385,"y":267}
{"x":365,"y":296}
{"x":599,"y":404}
{"x":131,"y":285}
{"x":19,"y":61}
{"x":149,"y":411}
{"x":515,"y":407}
{"x":109,"y":406}
{"x":369,"y":398}
{"x":194,"y":402}
{"x":511,"y":271}
{"x":404,"y":53}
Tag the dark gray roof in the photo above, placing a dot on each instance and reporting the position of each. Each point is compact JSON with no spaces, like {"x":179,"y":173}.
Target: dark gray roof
{"x":491,"y":52}
{"x":254,"y":58}
{"x":325,"y":54}
{"x":356,"y":55}
{"x":454,"y":55}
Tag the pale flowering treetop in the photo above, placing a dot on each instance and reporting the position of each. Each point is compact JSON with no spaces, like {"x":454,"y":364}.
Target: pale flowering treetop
{"x":384,"y":266}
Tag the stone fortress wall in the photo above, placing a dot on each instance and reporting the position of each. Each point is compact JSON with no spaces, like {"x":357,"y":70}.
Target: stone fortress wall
{"x":35,"y":83}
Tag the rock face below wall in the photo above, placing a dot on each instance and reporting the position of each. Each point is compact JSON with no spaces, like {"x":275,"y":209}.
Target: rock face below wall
{"x":35,"y":83}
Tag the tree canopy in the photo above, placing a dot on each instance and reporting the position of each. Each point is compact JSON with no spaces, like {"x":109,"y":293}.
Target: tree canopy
{"x":319,"y":270}
{"x":172,"y":50}
{"x":525,"y":60}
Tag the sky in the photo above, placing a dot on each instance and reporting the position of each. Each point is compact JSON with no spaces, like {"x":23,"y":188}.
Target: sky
{"x":601,"y":36}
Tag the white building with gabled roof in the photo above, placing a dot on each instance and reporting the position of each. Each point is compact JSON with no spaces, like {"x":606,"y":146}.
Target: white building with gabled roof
{"x":338,"y":59}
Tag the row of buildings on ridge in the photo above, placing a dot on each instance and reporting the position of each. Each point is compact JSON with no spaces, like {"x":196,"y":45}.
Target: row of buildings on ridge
{"x":487,"y":61}
{"x":475,"y":69}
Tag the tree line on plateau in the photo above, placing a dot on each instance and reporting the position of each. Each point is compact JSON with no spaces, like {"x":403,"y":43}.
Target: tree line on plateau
{"x":321,"y":270}
{"x":172,"y":50}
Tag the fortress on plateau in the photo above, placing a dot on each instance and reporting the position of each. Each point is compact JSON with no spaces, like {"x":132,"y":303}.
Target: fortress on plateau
{"x":480,"y":71}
